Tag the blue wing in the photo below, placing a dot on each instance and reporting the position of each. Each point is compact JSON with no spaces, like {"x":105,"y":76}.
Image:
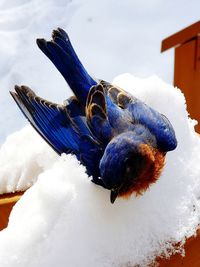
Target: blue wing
{"x":96,"y":113}
{"x":63,"y":127}
{"x":49,"y":119}
{"x":137,"y":112}
{"x":63,"y":56}
{"x":157,"y":123}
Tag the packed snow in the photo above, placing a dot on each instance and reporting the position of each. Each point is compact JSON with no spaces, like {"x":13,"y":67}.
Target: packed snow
{"x":66,"y":220}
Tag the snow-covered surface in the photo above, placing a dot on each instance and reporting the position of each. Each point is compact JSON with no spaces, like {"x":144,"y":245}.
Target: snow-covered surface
{"x":27,"y":155}
{"x":111,"y":37}
{"x":65,"y":220}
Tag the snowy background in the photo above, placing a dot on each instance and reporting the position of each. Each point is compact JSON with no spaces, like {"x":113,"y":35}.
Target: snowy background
{"x":111,"y":37}
{"x":64,"y":219}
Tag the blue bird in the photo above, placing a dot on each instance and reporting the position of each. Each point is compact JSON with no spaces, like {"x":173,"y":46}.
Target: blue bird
{"x":120,"y":140}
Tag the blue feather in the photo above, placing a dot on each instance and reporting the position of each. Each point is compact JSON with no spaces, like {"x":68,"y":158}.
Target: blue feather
{"x":63,"y":56}
{"x":50,"y":120}
{"x":157,"y":123}
{"x":63,"y":127}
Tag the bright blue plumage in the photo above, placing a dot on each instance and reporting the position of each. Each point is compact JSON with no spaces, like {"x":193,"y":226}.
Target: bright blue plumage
{"x":121,"y":141}
{"x":63,"y":56}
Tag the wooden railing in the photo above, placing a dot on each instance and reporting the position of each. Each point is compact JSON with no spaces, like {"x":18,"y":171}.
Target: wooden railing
{"x":7,"y":201}
{"x":187,"y":66}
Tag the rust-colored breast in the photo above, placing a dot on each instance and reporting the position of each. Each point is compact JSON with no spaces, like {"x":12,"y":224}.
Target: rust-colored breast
{"x":155,"y":160}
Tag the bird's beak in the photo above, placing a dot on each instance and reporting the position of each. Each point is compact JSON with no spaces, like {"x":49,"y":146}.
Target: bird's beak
{"x":113,"y":195}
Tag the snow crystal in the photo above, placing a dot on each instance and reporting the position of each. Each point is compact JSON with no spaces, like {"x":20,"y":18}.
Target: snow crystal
{"x":65,"y":220}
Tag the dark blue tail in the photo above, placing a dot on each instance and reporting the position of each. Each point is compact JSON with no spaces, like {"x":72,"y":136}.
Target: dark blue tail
{"x":63,"y":56}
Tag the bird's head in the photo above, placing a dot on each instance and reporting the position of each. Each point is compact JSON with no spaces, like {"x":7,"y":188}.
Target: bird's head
{"x":130,"y":164}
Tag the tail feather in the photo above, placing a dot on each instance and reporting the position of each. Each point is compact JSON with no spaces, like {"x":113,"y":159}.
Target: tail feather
{"x":63,"y":56}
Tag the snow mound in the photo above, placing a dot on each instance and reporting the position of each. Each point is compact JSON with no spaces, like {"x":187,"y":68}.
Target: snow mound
{"x":65,"y":220}
{"x":27,"y":155}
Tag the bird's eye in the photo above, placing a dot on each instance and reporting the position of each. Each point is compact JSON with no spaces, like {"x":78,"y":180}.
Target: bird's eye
{"x":128,"y":169}
{"x":128,"y":166}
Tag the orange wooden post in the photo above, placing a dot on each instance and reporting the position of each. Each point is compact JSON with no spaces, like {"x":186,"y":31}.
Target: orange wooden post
{"x":7,"y":201}
{"x":187,"y":66}
{"x":191,"y":258}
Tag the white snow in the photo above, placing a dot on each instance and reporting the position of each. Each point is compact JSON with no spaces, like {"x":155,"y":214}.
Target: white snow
{"x":27,"y":155}
{"x":65,"y":220}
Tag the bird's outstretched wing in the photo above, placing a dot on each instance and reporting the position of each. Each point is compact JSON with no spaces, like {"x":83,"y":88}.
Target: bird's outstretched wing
{"x":63,"y":127}
{"x":137,"y":112}
{"x":49,"y":119}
